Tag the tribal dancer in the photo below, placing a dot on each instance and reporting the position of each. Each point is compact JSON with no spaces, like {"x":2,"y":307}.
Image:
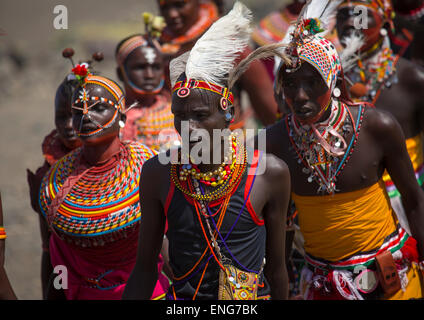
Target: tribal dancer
{"x":273,"y":28}
{"x":90,"y":197}
{"x":141,"y":69}
{"x":222,"y":219}
{"x":62,"y":140}
{"x":354,"y":245}
{"x":186,"y":21}
{"x":6,"y":290}
{"x":377,"y":75}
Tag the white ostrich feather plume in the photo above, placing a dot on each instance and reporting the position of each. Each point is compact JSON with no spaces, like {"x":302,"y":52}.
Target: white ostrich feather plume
{"x":350,"y":54}
{"x":177,"y":66}
{"x":213,"y":56}
{"x":324,"y":10}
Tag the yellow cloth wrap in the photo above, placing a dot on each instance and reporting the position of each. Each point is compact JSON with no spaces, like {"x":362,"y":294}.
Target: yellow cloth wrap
{"x":414,"y":146}
{"x":338,"y":226}
{"x":415,"y":287}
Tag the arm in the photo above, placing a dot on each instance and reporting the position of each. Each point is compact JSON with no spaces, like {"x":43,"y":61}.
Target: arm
{"x":398,"y":164}
{"x":34,"y":182}
{"x":275,"y":213}
{"x":165,"y":255}
{"x":6,"y":290}
{"x":257,"y":83}
{"x":143,"y":278}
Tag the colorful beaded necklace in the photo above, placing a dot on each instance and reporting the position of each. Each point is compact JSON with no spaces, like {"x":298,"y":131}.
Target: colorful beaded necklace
{"x":377,"y":72}
{"x":321,"y":166}
{"x":103,"y":205}
{"x":208,"y":14}
{"x":154,"y":123}
{"x":229,"y":180}
{"x":216,"y":177}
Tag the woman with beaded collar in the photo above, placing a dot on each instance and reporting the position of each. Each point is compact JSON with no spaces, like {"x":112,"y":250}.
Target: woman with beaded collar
{"x":59,"y":142}
{"x":221,"y":215}
{"x":387,"y":80}
{"x":141,"y":67}
{"x":339,"y":150}
{"x":90,"y":197}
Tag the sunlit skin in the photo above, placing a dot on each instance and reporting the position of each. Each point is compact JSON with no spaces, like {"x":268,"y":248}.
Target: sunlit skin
{"x":380,"y":147}
{"x":199,"y":111}
{"x":179,"y":15}
{"x":100,"y":146}
{"x":269,"y":199}
{"x":305,"y":96}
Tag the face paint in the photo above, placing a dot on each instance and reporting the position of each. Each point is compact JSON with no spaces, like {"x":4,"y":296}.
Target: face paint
{"x":149,"y":54}
{"x":89,"y":101}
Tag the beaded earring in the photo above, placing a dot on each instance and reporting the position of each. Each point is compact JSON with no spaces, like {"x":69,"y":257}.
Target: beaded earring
{"x":228,"y":117}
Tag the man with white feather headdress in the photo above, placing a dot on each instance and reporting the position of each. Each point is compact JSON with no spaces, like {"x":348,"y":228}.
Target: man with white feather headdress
{"x":336,"y":152}
{"x":376,"y":74}
{"x":223,"y":219}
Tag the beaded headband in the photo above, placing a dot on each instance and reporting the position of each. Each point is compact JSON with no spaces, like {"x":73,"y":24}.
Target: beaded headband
{"x":305,"y":41}
{"x":111,"y":87}
{"x":85,"y":97}
{"x":129,"y":46}
{"x":323,"y":56}
{"x":183,"y":90}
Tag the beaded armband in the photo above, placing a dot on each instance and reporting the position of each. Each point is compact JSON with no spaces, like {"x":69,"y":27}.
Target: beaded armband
{"x":2,"y":233}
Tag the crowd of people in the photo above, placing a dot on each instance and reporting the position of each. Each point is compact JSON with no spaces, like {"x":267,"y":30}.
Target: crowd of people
{"x":330,"y":207}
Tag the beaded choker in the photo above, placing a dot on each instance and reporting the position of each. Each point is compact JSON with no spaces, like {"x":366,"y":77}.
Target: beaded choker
{"x":321,"y":165}
{"x":228,"y":180}
{"x":216,"y":177}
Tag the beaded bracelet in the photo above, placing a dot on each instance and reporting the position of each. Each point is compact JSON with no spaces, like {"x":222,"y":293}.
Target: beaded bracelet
{"x":2,"y":233}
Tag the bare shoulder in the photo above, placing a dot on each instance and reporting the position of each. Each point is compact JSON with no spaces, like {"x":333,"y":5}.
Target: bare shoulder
{"x":275,"y":171}
{"x":155,"y":173}
{"x":381,"y":125}
{"x":411,"y":74}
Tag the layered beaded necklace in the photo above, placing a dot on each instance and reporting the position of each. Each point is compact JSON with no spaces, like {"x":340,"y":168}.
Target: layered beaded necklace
{"x":321,"y":165}
{"x":222,"y":180}
{"x":208,"y":14}
{"x":377,"y":72}
{"x":103,"y":206}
